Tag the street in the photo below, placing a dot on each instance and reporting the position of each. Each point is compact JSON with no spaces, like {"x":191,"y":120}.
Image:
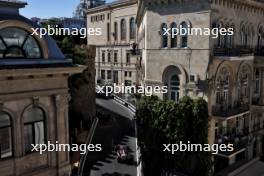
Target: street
{"x":115,"y":127}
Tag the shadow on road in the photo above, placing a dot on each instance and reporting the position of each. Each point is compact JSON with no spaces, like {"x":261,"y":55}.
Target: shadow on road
{"x":112,"y":130}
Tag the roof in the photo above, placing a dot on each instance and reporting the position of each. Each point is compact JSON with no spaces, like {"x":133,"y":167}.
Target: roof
{"x":13,"y":3}
{"x":55,"y":56}
{"x":113,"y":4}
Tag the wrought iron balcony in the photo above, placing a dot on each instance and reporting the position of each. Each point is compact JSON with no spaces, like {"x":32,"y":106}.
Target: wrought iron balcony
{"x":229,"y":111}
{"x":259,"y":51}
{"x":236,"y":51}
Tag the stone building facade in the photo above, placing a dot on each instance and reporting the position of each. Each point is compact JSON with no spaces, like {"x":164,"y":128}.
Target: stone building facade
{"x":113,"y":60}
{"x":33,"y":97}
{"x":227,"y":71}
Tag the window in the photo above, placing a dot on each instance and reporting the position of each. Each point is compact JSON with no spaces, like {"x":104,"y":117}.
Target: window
{"x":103,"y":74}
{"x":164,"y":37}
{"x":132,"y":27}
{"x":116,"y":77}
{"x":174,"y":87}
{"x":260,"y":38}
{"x":125,"y":74}
{"x":109,"y":57}
{"x":223,"y":87}
{"x":244,"y":36}
{"x":103,"y":57}
{"x":127,"y":58}
{"x":6,"y":149}
{"x":123,"y":29}
{"x":232,"y":37}
{"x":34,"y":127}
{"x":257,"y":82}
{"x":109,"y":74}
{"x":220,"y":38}
{"x":173,"y":37}
{"x":130,"y":74}
{"x":108,"y":31}
{"x":116,"y":30}
{"x":115,"y":58}
{"x":17,"y":43}
{"x":184,"y":38}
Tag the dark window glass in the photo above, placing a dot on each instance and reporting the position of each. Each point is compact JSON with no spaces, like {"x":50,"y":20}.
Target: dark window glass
{"x":116,"y":30}
{"x":132,"y":28}
{"x":5,"y":136}
{"x":34,"y":132}
{"x":17,"y":43}
{"x":127,"y":58}
{"x":109,"y":74}
{"x":164,"y":36}
{"x":123,"y":29}
{"x":184,"y":38}
{"x":173,"y":38}
{"x":108,"y":31}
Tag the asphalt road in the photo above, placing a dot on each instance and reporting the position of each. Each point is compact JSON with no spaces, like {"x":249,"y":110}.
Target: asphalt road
{"x":115,"y":128}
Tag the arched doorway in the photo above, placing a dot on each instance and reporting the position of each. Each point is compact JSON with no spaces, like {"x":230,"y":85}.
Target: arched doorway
{"x":173,"y":78}
{"x":174,"y":88}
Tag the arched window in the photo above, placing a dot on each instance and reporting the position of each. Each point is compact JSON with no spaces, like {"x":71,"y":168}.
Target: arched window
{"x":223,"y":89}
{"x":232,"y":37}
{"x":184,"y":35}
{"x":220,"y":38}
{"x":257,"y":81}
{"x":260,"y":37}
{"x":173,"y":37}
{"x":164,"y":36}
{"x":17,"y":43}
{"x":6,"y":149}
{"x":226,"y":37}
{"x":132,"y":28}
{"x":123,"y":29}
{"x":174,"y":87}
{"x":244,"y":36}
{"x":34,"y":127}
{"x":116,"y":30}
{"x":243,"y":85}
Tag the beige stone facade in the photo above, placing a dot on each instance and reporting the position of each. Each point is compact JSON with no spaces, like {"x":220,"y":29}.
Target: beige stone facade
{"x":113,"y":60}
{"x":227,"y":71}
{"x":33,"y":98}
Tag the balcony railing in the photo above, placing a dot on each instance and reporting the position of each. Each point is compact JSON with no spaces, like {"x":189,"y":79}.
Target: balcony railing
{"x":259,"y":51}
{"x":222,"y":111}
{"x":238,"y":51}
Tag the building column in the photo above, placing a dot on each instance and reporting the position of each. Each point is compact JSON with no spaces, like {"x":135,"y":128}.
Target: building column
{"x":262,"y":86}
{"x":62,"y":132}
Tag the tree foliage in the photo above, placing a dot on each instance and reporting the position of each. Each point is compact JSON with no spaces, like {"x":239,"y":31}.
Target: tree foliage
{"x":166,"y":122}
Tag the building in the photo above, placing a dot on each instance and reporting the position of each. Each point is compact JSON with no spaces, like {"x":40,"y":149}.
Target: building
{"x":33,"y":97}
{"x":227,"y":71}
{"x":82,"y":7}
{"x":117,"y":21}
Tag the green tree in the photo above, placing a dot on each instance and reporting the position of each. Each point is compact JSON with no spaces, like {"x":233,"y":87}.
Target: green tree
{"x":166,"y":122}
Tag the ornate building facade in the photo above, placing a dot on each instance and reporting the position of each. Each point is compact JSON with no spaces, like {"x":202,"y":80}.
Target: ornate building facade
{"x":33,"y":97}
{"x":113,"y":60}
{"x":227,"y":71}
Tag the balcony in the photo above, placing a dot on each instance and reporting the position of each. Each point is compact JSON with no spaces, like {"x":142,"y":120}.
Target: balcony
{"x":232,"y":136}
{"x":257,"y":127}
{"x":238,"y":51}
{"x":259,"y":51}
{"x":222,"y":111}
